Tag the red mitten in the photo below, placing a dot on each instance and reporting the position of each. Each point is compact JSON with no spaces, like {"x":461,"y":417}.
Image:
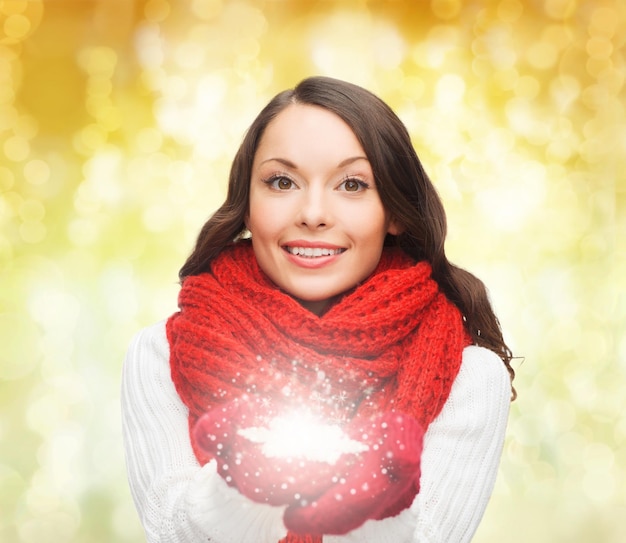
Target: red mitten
{"x":382,"y":482}
{"x":243,"y":464}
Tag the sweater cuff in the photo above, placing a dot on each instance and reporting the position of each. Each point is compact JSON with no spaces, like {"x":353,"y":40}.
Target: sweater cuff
{"x":229,"y":516}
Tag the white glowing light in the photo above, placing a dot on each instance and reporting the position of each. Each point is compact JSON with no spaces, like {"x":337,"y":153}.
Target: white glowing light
{"x":301,"y":435}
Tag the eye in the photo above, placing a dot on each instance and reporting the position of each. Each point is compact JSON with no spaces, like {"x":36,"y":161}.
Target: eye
{"x":280,"y":182}
{"x":352,"y":184}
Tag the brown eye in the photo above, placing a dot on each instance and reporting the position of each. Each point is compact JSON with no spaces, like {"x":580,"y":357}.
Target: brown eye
{"x":280,"y":182}
{"x":283,"y":183}
{"x":353,"y":185}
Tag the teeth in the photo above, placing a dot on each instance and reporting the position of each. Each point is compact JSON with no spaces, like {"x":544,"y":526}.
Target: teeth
{"x":311,"y":252}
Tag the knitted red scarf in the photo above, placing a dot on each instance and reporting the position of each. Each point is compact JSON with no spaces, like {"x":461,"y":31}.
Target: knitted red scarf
{"x":394,"y":342}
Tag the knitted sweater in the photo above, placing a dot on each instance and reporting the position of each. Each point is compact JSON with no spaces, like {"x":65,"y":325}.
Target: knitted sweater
{"x":180,"y":502}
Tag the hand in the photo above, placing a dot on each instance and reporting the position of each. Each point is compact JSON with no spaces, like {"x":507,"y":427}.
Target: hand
{"x":243,"y":464}
{"x":381,"y":483}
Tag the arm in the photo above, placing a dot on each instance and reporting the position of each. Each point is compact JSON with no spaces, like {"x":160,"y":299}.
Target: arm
{"x":462,"y":449}
{"x":177,"y":500}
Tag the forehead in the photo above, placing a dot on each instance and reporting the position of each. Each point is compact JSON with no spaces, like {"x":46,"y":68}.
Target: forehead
{"x":305,"y":130}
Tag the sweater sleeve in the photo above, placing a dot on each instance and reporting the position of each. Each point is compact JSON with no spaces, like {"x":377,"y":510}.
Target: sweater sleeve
{"x":462,"y":450}
{"x":178,"y":501}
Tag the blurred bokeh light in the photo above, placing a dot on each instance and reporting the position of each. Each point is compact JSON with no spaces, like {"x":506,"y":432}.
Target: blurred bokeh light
{"x":118,"y":122}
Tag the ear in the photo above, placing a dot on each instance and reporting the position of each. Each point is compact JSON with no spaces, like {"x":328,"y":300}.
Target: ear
{"x":395,"y":228}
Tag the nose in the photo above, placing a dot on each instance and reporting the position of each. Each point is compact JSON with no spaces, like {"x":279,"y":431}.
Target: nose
{"x":315,"y":209}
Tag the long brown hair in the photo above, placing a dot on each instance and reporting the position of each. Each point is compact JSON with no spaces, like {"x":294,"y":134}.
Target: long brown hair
{"x":405,"y":191}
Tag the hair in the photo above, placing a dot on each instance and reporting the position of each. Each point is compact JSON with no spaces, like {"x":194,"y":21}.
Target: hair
{"x":405,"y":190}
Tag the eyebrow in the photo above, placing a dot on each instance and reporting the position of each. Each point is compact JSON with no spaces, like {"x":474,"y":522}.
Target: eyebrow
{"x":290,"y":164}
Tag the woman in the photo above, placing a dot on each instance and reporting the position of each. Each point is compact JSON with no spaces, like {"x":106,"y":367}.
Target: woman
{"x":341,"y":305}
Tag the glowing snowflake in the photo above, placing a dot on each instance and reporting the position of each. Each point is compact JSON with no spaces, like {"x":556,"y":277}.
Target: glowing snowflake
{"x":301,"y":435}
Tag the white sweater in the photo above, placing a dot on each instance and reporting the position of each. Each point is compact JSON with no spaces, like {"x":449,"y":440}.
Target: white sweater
{"x":180,"y":502}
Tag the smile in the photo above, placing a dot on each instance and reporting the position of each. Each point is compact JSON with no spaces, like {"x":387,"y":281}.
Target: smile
{"x":313,"y":252}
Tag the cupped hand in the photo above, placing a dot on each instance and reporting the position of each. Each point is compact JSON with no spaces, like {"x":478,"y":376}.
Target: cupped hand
{"x":379,"y":483}
{"x":224,"y":434}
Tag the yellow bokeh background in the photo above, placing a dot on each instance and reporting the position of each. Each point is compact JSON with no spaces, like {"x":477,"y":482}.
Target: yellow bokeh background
{"x":118,"y":122}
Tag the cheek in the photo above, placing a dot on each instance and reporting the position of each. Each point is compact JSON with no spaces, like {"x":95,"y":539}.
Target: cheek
{"x":368,"y":223}
{"x":255,"y":213}
{"x":262,"y":218}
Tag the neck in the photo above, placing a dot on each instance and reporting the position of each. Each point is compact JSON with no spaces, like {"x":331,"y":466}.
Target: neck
{"x":317,"y":307}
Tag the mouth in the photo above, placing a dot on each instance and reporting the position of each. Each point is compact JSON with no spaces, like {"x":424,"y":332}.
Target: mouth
{"x":313,"y":252}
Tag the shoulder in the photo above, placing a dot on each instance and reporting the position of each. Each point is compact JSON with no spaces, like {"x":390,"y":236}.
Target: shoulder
{"x":482,"y":365}
{"x":482,"y":385}
{"x":481,"y":389}
{"x":148,"y":355}
{"x":151,"y":340}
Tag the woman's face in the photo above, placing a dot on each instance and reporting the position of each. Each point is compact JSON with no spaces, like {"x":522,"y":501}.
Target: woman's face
{"x":316,"y":219}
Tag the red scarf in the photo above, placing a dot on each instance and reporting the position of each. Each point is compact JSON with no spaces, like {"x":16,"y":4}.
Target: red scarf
{"x":394,"y":342}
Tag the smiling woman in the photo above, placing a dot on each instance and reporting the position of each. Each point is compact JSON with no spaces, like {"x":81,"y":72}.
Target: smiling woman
{"x":342,"y":306}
